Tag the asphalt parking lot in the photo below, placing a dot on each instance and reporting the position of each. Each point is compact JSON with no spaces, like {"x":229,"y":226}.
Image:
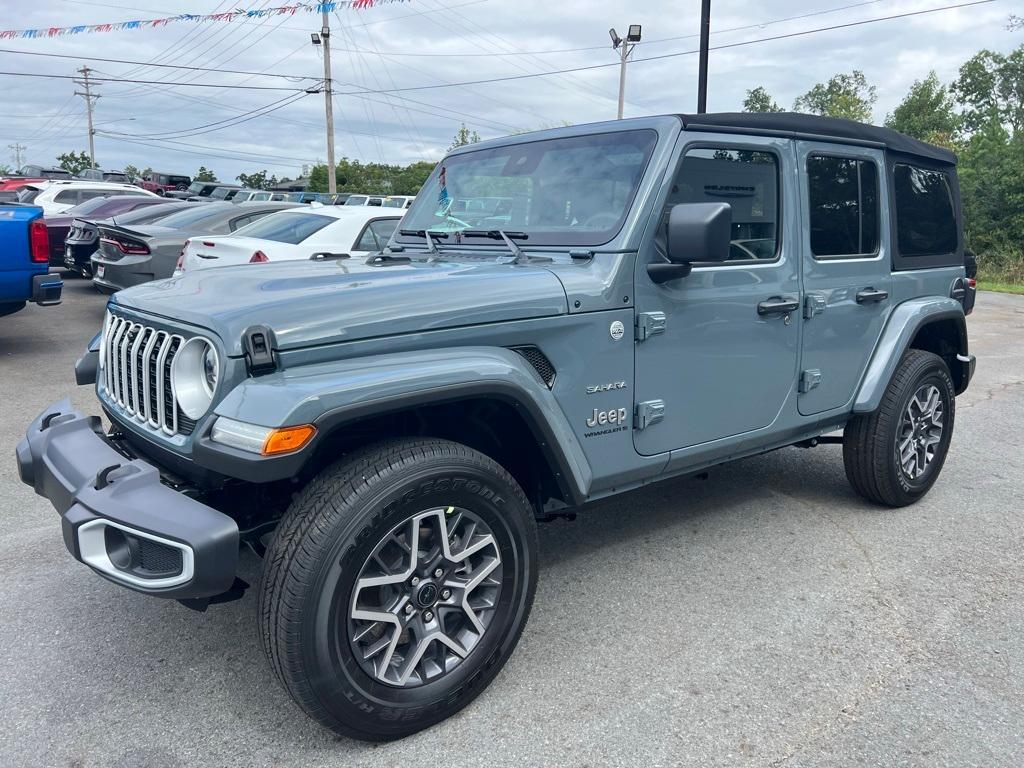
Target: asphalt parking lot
{"x":765,"y":616}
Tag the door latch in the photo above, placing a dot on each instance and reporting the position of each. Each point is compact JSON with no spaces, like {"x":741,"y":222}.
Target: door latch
{"x":649,"y":324}
{"x":814,"y":304}
{"x":648,"y":412}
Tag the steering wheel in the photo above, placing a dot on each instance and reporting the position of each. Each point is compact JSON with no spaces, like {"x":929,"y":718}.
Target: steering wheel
{"x":602,"y":220}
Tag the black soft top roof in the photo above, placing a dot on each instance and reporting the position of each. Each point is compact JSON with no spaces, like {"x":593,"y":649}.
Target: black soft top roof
{"x":796,"y":125}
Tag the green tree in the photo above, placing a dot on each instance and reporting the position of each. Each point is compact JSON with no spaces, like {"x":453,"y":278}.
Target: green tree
{"x":146,"y":172}
{"x":759,"y":100}
{"x":990,"y":86}
{"x":133,"y":173}
{"x":927,"y":112}
{"x":379,"y":178}
{"x":844,"y":95}
{"x":462,"y":137}
{"x":5,"y":169}
{"x":75,"y":162}
{"x":257,"y":180}
{"x":204,"y":174}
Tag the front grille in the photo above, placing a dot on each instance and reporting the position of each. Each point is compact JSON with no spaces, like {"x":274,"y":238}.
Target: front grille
{"x":137,"y":374}
{"x":539,"y":362}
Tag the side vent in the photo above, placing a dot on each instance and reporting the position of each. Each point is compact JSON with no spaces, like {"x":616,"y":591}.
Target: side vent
{"x":539,"y":363}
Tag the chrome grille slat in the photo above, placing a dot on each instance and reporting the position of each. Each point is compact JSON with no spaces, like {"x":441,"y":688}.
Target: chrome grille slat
{"x":137,"y":376}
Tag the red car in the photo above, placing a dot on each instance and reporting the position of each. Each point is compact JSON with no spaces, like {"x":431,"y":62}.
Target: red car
{"x":162,"y":183}
{"x":14,"y":183}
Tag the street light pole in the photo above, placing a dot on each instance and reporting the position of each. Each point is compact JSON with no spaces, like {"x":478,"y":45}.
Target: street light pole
{"x":325,"y":36}
{"x":702,"y":67}
{"x":624,"y":47}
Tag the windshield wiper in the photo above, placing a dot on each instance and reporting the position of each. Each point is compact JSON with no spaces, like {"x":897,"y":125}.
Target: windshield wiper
{"x":519,"y":256}
{"x":432,"y":249}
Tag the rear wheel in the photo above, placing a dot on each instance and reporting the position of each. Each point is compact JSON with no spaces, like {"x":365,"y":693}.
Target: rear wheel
{"x":397,"y":586}
{"x":894,"y":455}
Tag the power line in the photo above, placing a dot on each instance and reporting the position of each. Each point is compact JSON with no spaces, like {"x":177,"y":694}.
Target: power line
{"x":164,"y":83}
{"x":675,"y":54}
{"x":166,"y":66}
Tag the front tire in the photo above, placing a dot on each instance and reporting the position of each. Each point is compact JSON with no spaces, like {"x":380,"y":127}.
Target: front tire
{"x":397,"y":585}
{"x":894,"y":455}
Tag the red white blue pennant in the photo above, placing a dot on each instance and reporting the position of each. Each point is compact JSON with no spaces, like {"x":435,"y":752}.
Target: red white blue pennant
{"x":81,"y":29}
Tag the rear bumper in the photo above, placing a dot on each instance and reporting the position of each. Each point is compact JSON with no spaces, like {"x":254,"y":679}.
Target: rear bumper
{"x":46,"y":290}
{"x":117,"y":516}
{"x":121,"y":274}
{"x":967,"y":364}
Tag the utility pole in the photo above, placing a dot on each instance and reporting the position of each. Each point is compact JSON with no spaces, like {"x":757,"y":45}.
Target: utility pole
{"x":702,"y":68}
{"x":90,"y":98}
{"x":325,"y":39}
{"x":17,"y":149}
{"x":625,"y":48}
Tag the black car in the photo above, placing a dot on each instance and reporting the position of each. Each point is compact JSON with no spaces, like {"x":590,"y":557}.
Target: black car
{"x":82,"y":239}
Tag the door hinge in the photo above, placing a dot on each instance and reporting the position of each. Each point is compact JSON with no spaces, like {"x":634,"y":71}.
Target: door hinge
{"x":648,"y":412}
{"x":814,"y":304}
{"x":809,"y":379}
{"x":649,"y":324}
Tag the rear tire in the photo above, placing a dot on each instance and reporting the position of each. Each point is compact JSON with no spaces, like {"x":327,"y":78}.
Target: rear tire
{"x":894,"y":455}
{"x":368,"y":609}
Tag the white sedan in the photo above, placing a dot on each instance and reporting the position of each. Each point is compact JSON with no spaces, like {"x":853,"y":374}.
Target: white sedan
{"x":297,"y":233}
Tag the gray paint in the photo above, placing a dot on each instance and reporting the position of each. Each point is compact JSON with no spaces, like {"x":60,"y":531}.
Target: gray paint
{"x":353,"y":335}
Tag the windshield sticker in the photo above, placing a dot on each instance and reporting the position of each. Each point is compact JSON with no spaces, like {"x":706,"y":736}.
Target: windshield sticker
{"x":444,"y":202}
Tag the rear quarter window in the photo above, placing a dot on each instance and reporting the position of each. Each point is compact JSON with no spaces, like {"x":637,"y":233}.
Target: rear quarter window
{"x":286,"y":227}
{"x":925,"y":216}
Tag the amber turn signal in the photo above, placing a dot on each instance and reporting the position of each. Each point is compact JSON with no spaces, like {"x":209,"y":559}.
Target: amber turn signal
{"x":288,"y":439}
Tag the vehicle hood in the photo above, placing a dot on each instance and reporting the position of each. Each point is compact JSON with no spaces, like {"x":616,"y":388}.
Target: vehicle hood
{"x":324,"y":302}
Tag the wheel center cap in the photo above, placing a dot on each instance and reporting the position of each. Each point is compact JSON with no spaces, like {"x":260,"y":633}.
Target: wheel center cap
{"x":426,"y":595}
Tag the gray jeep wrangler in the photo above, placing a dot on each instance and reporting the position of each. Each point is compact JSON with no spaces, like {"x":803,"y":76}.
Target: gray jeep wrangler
{"x":562,"y":316}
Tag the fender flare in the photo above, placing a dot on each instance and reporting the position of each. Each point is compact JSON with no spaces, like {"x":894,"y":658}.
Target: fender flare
{"x":331,"y":395}
{"x":904,"y":323}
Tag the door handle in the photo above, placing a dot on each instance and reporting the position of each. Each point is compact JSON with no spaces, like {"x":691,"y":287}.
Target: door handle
{"x":778,"y":305}
{"x":870,"y":294}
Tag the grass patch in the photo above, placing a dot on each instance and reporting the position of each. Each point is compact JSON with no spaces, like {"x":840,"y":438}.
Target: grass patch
{"x":985,"y":285}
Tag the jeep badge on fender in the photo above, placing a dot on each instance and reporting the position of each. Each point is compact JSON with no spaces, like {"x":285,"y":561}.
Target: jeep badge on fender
{"x":413,"y":414}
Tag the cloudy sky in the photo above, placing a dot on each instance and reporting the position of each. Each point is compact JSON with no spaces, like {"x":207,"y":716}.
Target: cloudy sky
{"x":394,"y":65}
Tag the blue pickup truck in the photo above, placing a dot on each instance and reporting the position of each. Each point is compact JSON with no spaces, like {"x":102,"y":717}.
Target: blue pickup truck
{"x":25,"y":260}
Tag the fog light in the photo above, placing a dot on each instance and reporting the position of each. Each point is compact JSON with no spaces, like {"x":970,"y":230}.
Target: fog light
{"x":122,"y":548}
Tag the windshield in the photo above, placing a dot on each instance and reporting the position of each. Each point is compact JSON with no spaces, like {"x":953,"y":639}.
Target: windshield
{"x":193,"y":216}
{"x":395,"y":202}
{"x":286,"y":227}
{"x":356,"y":200}
{"x":27,"y":194}
{"x":221,"y":193}
{"x":571,"y":191}
{"x":197,"y":186}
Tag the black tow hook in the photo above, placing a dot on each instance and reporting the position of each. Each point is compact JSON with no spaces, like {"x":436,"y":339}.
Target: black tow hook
{"x":235,"y":592}
{"x":103,"y":477}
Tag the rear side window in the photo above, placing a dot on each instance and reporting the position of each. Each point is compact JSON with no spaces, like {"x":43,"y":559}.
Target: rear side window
{"x":67,"y":196}
{"x":376,"y":235}
{"x":925,"y":221}
{"x":843,"y":198}
{"x":286,"y":227}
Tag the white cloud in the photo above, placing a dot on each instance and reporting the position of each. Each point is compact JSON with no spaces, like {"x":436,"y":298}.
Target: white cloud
{"x":44,"y":115}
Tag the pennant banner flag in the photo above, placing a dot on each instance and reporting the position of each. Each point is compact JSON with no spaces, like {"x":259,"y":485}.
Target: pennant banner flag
{"x":81,"y":29}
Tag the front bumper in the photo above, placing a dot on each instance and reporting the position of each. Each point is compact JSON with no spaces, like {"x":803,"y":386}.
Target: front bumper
{"x":117,"y":516}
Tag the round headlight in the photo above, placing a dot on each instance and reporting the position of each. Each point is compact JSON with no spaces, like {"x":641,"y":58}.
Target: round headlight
{"x":194,"y":376}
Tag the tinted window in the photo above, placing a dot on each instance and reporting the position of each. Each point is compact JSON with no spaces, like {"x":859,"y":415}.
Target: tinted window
{"x":67,"y":196}
{"x":286,"y":227}
{"x":193,"y":216}
{"x":569,"y":191}
{"x":843,"y":198}
{"x":745,"y":179}
{"x":356,"y":200}
{"x":27,"y":194}
{"x":925,"y":222}
{"x":376,"y":235}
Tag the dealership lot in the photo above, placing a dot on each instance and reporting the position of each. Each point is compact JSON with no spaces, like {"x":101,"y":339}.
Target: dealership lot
{"x":764,"y":616}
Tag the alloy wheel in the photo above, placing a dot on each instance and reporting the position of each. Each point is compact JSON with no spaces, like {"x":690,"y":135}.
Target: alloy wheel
{"x":920,"y":431}
{"x":425,"y":597}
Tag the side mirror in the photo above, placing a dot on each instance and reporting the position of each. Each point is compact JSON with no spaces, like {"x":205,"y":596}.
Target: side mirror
{"x":696,"y":232}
